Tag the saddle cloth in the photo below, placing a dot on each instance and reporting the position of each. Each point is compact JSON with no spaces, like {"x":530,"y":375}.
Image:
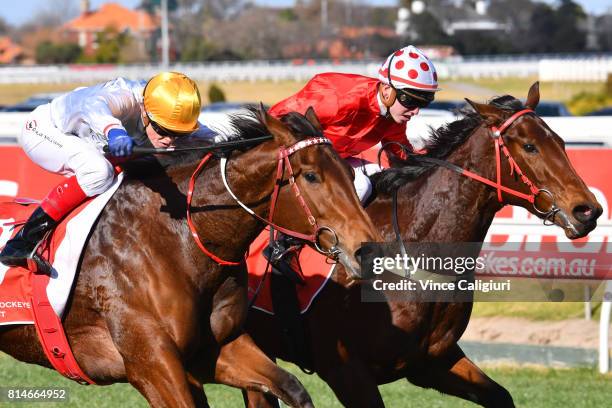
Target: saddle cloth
{"x":63,"y":251}
{"x":316,"y":272}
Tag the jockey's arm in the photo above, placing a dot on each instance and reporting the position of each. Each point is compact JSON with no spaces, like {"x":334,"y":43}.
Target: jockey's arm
{"x":97,"y":113}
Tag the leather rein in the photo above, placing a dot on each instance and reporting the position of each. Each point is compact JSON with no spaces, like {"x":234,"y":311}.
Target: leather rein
{"x":283,"y":163}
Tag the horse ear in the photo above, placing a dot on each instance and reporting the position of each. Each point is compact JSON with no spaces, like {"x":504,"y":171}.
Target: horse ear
{"x":261,"y":113}
{"x":313,"y":118}
{"x":489,"y":113}
{"x":280,"y":132}
{"x":533,"y":97}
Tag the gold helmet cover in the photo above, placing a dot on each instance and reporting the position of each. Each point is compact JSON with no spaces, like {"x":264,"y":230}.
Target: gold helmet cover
{"x":172,"y":101}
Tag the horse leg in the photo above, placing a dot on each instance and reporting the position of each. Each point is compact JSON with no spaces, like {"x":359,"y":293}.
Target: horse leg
{"x":197,"y":392}
{"x":152,"y":361}
{"x":243,"y":365}
{"x":457,"y":375}
{"x":255,"y":399}
{"x":353,"y":385}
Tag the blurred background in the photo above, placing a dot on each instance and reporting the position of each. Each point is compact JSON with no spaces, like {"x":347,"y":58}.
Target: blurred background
{"x":547,"y":354}
{"x":481,"y":47}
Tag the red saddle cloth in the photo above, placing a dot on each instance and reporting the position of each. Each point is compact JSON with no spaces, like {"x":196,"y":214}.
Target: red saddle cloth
{"x":15,"y":283}
{"x":23,"y":294}
{"x":316,"y":272}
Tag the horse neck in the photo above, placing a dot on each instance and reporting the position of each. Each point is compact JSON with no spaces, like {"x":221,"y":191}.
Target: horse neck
{"x":448,"y":207}
{"x":223,"y":222}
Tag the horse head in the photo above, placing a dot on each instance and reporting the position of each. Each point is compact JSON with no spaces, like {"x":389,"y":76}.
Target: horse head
{"x":312,"y":194}
{"x":537,"y":165}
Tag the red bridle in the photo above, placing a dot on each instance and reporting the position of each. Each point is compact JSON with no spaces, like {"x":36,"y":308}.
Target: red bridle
{"x":500,"y":146}
{"x":283,"y":162}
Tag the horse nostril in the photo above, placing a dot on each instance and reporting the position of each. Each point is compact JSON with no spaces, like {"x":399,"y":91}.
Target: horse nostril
{"x":358,"y":253}
{"x":586,"y":212}
{"x":366,"y":253}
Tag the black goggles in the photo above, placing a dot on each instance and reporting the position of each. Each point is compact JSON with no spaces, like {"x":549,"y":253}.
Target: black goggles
{"x":410,"y":101}
{"x":163,"y":132}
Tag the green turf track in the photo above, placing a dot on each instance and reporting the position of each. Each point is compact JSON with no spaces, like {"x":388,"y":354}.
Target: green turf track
{"x":530,"y":387}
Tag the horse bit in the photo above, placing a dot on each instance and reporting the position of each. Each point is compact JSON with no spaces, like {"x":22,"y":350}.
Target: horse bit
{"x":283,"y":162}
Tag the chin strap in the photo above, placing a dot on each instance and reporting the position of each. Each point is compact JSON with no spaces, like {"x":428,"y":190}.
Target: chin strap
{"x":387,"y":102}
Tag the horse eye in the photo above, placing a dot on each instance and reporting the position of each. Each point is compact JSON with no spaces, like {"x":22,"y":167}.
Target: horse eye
{"x":311,"y":177}
{"x":529,"y":148}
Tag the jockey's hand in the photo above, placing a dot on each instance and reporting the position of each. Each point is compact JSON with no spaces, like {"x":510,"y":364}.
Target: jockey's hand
{"x":120,"y":144}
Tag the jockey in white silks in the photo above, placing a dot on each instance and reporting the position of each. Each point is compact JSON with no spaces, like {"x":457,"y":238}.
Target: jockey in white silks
{"x":68,"y":135}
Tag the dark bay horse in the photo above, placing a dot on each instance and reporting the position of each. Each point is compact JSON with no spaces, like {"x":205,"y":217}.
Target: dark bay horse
{"x":356,"y":346}
{"x":149,"y":307}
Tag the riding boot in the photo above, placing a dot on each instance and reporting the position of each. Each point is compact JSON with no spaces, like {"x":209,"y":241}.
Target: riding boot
{"x":21,"y":247}
{"x":60,"y":201}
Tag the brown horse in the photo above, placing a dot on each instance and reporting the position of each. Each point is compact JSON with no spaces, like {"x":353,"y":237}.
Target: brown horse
{"x":355,"y":345}
{"x":151,"y":308}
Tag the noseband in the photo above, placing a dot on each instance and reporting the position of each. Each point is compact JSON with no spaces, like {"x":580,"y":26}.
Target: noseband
{"x":283,"y":162}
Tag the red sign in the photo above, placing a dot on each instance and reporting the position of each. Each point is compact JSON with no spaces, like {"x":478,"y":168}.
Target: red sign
{"x":514,"y":228}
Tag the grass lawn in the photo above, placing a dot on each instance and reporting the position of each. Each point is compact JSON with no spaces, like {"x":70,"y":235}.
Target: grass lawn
{"x":267,"y":91}
{"x":534,"y":310}
{"x":530,"y":387}
{"x":271,"y":92}
{"x":518,"y":87}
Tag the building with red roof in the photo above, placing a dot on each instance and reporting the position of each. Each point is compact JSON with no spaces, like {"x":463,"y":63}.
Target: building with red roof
{"x":139,"y":24}
{"x":10,"y":53}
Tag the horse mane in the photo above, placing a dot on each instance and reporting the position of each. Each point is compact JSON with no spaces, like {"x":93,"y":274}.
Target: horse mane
{"x":441,"y":143}
{"x":242,"y":126}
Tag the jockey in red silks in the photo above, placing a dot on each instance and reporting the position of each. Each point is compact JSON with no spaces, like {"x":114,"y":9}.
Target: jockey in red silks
{"x":357,"y":112}
{"x":68,"y":136}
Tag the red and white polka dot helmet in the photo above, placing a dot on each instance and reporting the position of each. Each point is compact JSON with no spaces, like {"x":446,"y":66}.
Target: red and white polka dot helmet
{"x":410,"y":68}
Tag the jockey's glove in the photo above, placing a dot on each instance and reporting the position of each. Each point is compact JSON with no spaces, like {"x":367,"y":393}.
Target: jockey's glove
{"x":120,"y":144}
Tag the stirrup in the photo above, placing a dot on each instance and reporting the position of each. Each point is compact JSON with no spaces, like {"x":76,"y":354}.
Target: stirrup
{"x":38,"y":265}
{"x":280,"y":249}
{"x":35,"y":262}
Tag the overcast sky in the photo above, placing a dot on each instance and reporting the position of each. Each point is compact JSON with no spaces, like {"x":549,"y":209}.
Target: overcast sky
{"x":18,"y":12}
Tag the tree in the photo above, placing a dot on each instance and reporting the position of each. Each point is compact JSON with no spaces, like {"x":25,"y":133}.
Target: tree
{"x":605,"y":34}
{"x":55,"y":13}
{"x":151,"y":5}
{"x":541,"y":31}
{"x":556,"y":29}
{"x":50,"y":53}
{"x":516,"y":14}
{"x":428,"y":29}
{"x":198,"y":49}
{"x":110,"y":42}
{"x":216,"y":94}
{"x":569,"y":35}
{"x":476,"y":42}
{"x":4,"y":26}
